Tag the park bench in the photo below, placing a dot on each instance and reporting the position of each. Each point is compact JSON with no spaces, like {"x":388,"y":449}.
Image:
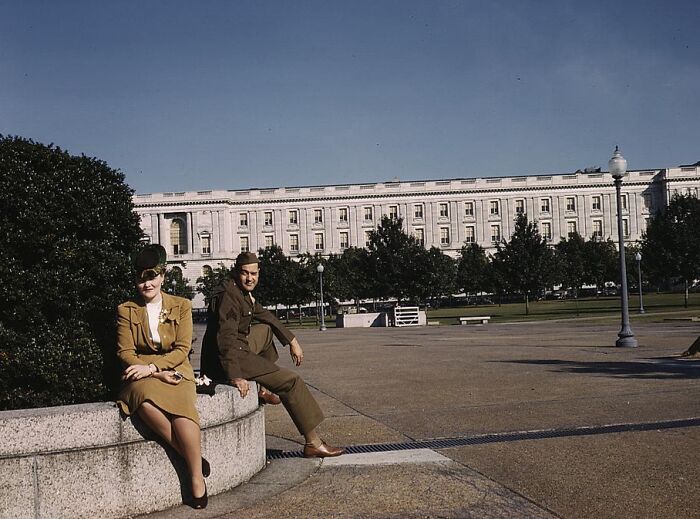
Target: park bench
{"x":484,"y":319}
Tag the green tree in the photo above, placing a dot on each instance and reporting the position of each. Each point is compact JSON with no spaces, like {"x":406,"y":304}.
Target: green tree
{"x":68,"y":230}
{"x":525,"y":263}
{"x":392,"y":255}
{"x":176,"y":284}
{"x":571,"y":261}
{"x":353,"y":274}
{"x":209,"y":280}
{"x":273,"y":284}
{"x":671,"y":243}
{"x":473,"y":270}
{"x":601,"y":262}
{"x":435,"y":278}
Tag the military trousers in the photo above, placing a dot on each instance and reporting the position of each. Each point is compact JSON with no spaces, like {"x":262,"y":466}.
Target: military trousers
{"x":288,"y":385}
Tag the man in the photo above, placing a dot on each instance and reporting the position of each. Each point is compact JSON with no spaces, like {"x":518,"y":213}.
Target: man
{"x":234,"y":350}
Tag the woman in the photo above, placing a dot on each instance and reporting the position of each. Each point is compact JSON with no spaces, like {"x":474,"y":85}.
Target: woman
{"x":154,"y":337}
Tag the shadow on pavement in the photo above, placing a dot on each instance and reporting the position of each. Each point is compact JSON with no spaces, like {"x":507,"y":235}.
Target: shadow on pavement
{"x":653,"y":369}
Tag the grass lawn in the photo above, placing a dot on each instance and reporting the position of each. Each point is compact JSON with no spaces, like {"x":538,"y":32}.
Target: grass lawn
{"x":657,"y":307}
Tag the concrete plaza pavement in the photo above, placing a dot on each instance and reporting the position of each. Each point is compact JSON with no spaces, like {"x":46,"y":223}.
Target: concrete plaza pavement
{"x":388,"y":385}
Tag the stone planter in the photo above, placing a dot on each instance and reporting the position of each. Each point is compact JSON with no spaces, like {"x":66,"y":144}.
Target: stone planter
{"x":86,"y":461}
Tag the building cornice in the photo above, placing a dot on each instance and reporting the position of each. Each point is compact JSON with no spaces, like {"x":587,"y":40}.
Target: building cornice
{"x":406,"y":194}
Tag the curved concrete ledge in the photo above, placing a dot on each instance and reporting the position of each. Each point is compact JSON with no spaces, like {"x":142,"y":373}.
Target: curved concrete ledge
{"x":86,"y":461}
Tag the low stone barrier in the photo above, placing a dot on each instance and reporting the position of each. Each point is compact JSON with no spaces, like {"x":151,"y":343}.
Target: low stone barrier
{"x":367,"y":320}
{"x":86,"y":461}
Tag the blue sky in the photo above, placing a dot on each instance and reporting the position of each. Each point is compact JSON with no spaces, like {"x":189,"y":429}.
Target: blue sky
{"x":236,"y":94}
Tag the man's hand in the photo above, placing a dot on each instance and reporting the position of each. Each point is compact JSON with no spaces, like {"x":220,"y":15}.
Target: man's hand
{"x":242,"y":385}
{"x":296,"y":352}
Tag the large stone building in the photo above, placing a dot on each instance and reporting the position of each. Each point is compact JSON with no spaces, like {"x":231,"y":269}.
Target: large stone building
{"x":204,"y":228}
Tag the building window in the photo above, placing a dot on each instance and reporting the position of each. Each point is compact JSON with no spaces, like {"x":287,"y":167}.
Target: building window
{"x":420,"y":236}
{"x":418,"y":211}
{"x":243,"y":219}
{"x":394,"y":212}
{"x":595,"y":203}
{"x":469,"y":209}
{"x":269,"y":241}
{"x":495,"y":233}
{"x":318,"y":241}
{"x":520,"y":206}
{"x":245,"y":244}
{"x":647,"y":201}
{"x":344,"y":240}
{"x":625,"y":228}
{"x":206,"y":243}
{"x":597,"y":229}
{"x":368,"y":214}
{"x":444,"y":210}
{"x":494,"y":207}
{"x":570,"y":228}
{"x":444,"y":235}
{"x":293,"y":217}
{"x":624,"y":201}
{"x":177,"y":237}
{"x":544,"y":205}
{"x":268,"y":218}
{"x":368,"y":234}
{"x":547,"y":230}
{"x":293,"y":243}
{"x":570,"y":204}
{"x":469,"y":236}
{"x":318,"y":216}
{"x":343,"y":214}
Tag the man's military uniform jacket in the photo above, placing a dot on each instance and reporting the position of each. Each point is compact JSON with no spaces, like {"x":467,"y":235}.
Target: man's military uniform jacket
{"x":225,"y":351}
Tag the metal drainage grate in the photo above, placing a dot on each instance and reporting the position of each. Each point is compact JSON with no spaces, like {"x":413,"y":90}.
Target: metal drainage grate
{"x":444,"y":443}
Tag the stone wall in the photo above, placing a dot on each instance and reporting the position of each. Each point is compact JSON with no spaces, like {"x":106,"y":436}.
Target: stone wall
{"x":87,"y":461}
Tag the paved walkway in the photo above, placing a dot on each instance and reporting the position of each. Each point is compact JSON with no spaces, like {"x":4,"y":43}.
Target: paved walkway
{"x":535,"y":420}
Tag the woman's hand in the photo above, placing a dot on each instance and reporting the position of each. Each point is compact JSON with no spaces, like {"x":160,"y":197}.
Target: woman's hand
{"x":136,"y":372}
{"x":168,"y":376}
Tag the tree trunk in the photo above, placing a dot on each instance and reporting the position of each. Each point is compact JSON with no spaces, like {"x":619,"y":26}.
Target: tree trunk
{"x":686,"y":293}
{"x":527,"y":304}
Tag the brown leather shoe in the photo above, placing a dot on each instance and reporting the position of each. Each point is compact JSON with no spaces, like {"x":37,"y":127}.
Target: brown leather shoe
{"x":265,"y":397}
{"x":322,"y":451}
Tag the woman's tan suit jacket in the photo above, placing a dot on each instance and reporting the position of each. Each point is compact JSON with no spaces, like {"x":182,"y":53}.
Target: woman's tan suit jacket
{"x":135,"y":345}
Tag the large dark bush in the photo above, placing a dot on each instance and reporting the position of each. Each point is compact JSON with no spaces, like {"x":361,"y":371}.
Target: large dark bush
{"x":68,"y":228}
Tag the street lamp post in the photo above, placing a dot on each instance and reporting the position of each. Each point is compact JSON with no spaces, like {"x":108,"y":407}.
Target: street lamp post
{"x":638,"y":257}
{"x":319,"y":269}
{"x":617,"y":166}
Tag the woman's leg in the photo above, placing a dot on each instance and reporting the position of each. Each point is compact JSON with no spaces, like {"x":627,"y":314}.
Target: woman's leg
{"x":188,"y":436}
{"x":183,"y":435}
{"x":159,"y":423}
